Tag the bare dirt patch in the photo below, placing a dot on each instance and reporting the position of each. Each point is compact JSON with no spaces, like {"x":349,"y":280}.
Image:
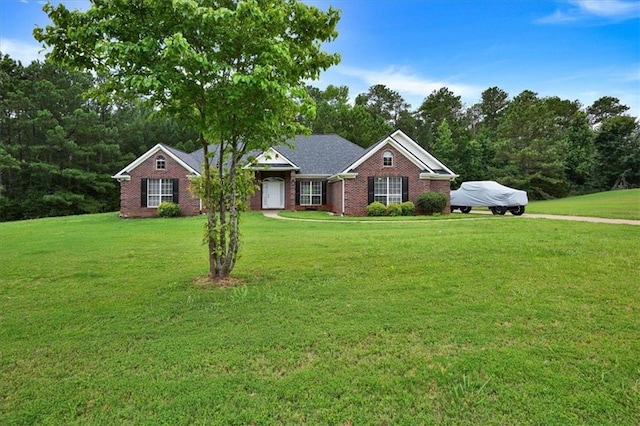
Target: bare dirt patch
{"x":205,"y":281}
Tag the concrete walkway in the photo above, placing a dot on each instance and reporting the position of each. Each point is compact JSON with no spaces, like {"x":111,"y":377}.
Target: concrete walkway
{"x":273,"y":214}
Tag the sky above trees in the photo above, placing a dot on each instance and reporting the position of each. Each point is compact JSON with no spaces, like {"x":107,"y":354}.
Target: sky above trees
{"x":575,"y":49}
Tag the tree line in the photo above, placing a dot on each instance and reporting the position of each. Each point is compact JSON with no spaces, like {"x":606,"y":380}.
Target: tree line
{"x":58,"y":148}
{"x":548,"y":146}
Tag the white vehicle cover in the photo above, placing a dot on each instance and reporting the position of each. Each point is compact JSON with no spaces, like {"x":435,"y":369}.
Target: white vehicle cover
{"x":487,"y":193}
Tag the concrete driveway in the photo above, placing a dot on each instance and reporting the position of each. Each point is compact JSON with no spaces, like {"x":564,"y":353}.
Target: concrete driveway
{"x":274,"y":215}
{"x":566,"y":217}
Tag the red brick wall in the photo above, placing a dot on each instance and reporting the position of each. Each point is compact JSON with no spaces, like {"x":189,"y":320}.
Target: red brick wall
{"x":255,"y":201}
{"x":334,"y":197}
{"x":290,"y":191}
{"x":356,"y":190}
{"x":130,"y":190}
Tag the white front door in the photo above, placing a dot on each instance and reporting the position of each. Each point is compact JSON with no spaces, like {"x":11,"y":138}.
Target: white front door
{"x":273,"y":193}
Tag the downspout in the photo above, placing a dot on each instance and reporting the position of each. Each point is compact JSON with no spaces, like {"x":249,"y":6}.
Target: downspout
{"x":343,"y":196}
{"x":343,"y":192}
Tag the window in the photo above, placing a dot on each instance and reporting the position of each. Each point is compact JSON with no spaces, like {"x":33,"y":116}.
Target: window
{"x":160,"y":163}
{"x":387,"y":159}
{"x":387,"y":190}
{"x":159,"y":190}
{"x":310,"y":193}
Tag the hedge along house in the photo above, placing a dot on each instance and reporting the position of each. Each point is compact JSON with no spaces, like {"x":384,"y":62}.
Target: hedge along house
{"x":319,"y":172}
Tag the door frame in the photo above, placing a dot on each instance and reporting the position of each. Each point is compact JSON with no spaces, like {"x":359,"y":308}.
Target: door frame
{"x":267,"y":193}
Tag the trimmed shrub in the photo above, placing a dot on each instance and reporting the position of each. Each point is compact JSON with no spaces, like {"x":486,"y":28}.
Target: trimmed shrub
{"x":432,"y":202}
{"x":168,"y":209}
{"x":407,"y":208}
{"x":394,"y":210}
{"x":376,"y":209}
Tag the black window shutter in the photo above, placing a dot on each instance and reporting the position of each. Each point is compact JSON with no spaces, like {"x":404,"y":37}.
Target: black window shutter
{"x":176,"y":190}
{"x":324,"y":192}
{"x":405,"y":189}
{"x":370,"y":189}
{"x":143,"y":193}
{"x":297,"y":192}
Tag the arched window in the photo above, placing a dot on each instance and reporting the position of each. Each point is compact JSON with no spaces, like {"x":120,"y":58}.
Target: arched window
{"x":160,"y":163}
{"x":387,"y":159}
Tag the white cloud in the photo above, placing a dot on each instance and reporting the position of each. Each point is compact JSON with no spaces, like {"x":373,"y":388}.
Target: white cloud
{"x":609,"y":8}
{"x":406,"y":82}
{"x":617,"y":10}
{"x":21,"y":51}
{"x":558,"y":17}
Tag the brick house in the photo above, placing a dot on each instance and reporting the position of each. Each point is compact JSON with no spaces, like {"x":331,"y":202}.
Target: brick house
{"x":320,"y":172}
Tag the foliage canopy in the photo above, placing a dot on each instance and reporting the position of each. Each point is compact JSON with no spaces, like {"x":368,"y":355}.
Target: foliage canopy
{"x":235,"y":70}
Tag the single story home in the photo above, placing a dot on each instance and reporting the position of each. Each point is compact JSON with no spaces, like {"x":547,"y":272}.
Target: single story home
{"x":320,"y":172}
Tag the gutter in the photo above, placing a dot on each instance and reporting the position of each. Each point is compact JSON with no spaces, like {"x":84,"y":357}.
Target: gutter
{"x":122,"y":176}
{"x":341,"y":176}
{"x":436,"y":176}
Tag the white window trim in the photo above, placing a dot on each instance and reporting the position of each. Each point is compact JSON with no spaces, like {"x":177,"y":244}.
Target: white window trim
{"x":160,"y":194}
{"x":385,"y":156}
{"x":159,"y":159}
{"x":387,"y":194}
{"x":311,"y":184}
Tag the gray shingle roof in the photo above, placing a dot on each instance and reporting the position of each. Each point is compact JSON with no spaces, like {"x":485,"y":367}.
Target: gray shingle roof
{"x":189,"y":159}
{"x":315,"y":154}
{"x":321,"y":154}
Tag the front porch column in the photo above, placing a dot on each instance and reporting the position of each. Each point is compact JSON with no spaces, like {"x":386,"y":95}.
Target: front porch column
{"x":291,"y":191}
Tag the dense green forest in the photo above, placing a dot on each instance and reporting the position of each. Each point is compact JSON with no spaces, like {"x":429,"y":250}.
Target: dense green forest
{"x":550,"y":147}
{"x":58,"y":148}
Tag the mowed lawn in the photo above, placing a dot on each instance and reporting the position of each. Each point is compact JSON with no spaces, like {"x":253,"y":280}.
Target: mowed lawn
{"x":486,"y":320}
{"x":622,"y":204}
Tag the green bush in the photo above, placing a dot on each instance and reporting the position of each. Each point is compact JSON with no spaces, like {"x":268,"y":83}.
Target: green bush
{"x":407,"y":208}
{"x":168,"y":209}
{"x":432,"y":202}
{"x":376,"y":209}
{"x":394,"y":210}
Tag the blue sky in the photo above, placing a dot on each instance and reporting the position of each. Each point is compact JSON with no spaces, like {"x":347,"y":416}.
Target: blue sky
{"x":575,"y":49}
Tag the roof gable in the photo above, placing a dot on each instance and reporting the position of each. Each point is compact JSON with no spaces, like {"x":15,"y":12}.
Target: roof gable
{"x":409,"y":149}
{"x":271,"y":159}
{"x":182,"y":158}
{"x":424,"y":156}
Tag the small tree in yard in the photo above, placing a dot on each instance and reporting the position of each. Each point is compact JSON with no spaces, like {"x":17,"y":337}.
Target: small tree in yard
{"x":234,"y":69}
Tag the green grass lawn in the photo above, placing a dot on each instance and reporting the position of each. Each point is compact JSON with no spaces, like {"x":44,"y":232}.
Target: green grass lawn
{"x":486,"y":321}
{"x":321,"y":215}
{"x":623,"y":204}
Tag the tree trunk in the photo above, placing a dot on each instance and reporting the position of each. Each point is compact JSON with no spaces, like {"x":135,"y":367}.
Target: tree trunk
{"x":208,"y":206}
{"x":228,"y":220}
{"x":222,"y":218}
{"x":232,"y":247}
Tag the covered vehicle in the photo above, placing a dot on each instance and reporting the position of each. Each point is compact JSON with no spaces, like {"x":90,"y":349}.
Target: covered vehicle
{"x":487,"y":193}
